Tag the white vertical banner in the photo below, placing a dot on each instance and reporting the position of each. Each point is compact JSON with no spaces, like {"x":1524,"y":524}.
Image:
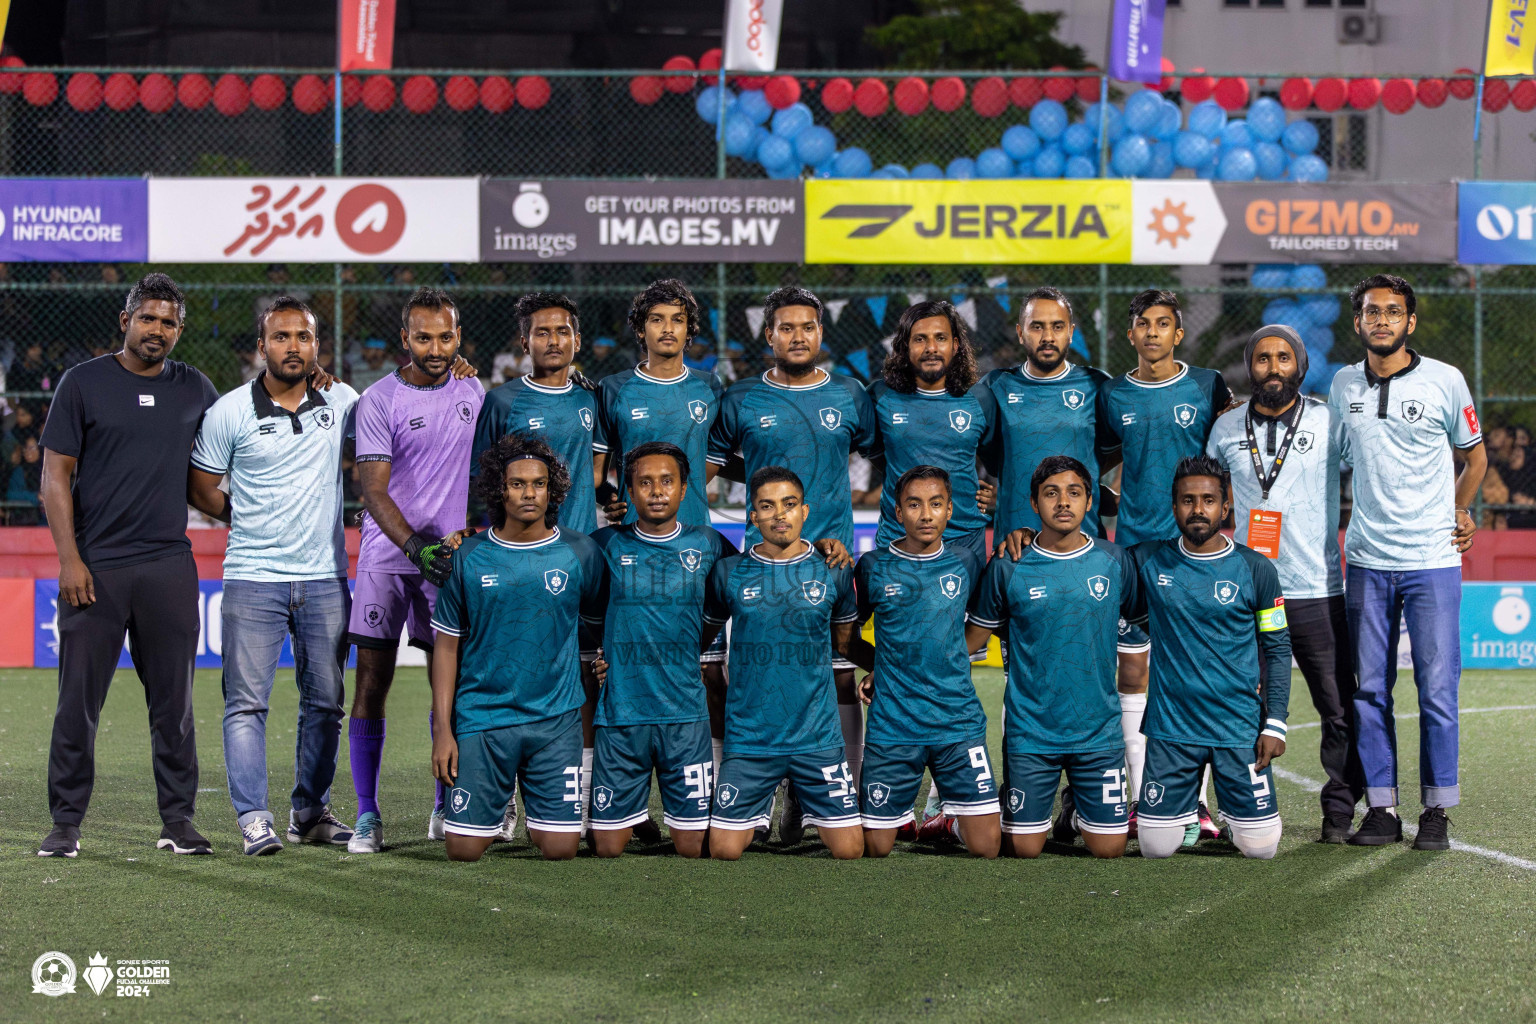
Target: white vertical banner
{"x":752,"y":35}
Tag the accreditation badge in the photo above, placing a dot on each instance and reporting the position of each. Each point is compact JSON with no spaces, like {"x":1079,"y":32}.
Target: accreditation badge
{"x":1264,"y":532}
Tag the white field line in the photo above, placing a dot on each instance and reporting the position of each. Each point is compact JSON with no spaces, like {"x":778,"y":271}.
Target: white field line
{"x":1415,"y":714}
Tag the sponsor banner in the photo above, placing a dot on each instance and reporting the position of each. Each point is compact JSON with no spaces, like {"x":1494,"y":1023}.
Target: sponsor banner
{"x":1178,"y":222}
{"x":1337,"y":223}
{"x":61,"y":220}
{"x":692,"y":221}
{"x":1494,"y":222}
{"x":1496,"y":626}
{"x":313,"y":220}
{"x":752,"y":34}
{"x":1511,"y":50}
{"x":367,"y":29}
{"x":1136,"y":41}
{"x":1007,"y":221}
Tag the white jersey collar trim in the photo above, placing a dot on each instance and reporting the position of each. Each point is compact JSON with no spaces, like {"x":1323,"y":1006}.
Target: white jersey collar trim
{"x":659,"y":538}
{"x":1035,"y":546}
{"x":546,"y":389}
{"x":1227,"y":550}
{"x":1183,"y":372}
{"x":660,"y":380}
{"x":523,"y":547}
{"x":1026,"y":373}
{"x":807,"y":553}
{"x":825,"y":379}
{"x":914,"y":558}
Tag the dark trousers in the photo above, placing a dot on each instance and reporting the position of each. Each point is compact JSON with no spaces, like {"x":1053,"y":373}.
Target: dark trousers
{"x":1320,"y":642}
{"x":156,"y":603}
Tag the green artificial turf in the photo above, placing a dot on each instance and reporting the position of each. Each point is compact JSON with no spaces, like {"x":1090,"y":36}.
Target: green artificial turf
{"x":1320,"y":933}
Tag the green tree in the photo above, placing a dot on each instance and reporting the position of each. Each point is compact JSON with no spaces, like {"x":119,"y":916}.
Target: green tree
{"x":973,"y":34}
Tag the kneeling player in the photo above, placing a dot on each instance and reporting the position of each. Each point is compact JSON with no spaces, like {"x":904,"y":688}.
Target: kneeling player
{"x":923,"y":712}
{"x":506,"y":678}
{"x":1062,"y":600}
{"x":780,"y":709}
{"x":1204,"y":598}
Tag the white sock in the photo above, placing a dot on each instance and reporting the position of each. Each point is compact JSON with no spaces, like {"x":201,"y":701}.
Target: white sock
{"x":1132,"y":707}
{"x":852,"y":718}
{"x":586,"y":787}
{"x":1256,"y":843}
{"x":1205,"y":786}
{"x":717,"y":751}
{"x":1159,"y":841}
{"x":934,"y":804}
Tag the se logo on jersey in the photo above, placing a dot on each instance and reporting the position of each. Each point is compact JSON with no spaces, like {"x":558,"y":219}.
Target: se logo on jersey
{"x":814,"y":591}
{"x":751,"y":593}
{"x":1098,"y":586}
{"x":697,"y":410}
{"x":1226,"y":592}
{"x":1184,"y":414}
{"x":1412,"y":411}
{"x":691,"y":558}
{"x":960,"y":419}
{"x":949,"y":585}
{"x":831,"y":418}
{"x":555,"y":581}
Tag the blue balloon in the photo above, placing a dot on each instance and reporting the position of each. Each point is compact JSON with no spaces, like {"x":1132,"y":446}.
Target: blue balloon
{"x":993,"y":163}
{"x":1319,"y":342}
{"x":881,"y":174}
{"x":1048,"y":118}
{"x":791,"y":121}
{"x":1049,"y":163}
{"x":927,"y":171}
{"x":1024,"y":169}
{"x":1271,"y":160}
{"x":1114,"y":121}
{"x":1299,"y":138}
{"x":759,"y":133}
{"x":815,"y":145}
{"x":754,"y":105}
{"x":826,"y":169}
{"x":1319,"y":378}
{"x":1020,"y":143}
{"x":1270,"y":276}
{"x":740,"y":134}
{"x":1080,"y":167}
{"x":1169,"y":121}
{"x":1143,"y":111}
{"x":1132,"y":153}
{"x":961,"y":168}
{"x":1306,"y":276}
{"x":895,"y":171}
{"x":1206,"y":170}
{"x":1308,"y":168}
{"x":1236,"y":135}
{"x":1077,"y":140}
{"x":789,"y":170}
{"x":1191,"y":149}
{"x":1207,"y":119}
{"x":1322,"y":310}
{"x":853,"y":162}
{"x":775,"y":151}
{"x":1266,"y":119}
{"x":1162,"y":165}
{"x":1281,"y":311}
{"x":1236,"y":165}
{"x":707,"y":103}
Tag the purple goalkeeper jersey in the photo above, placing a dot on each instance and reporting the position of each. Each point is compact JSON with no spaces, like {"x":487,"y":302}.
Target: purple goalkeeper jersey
{"x":425,"y":435}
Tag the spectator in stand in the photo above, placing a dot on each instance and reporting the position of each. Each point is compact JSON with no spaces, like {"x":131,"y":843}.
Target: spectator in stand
{"x":279,"y":277}
{"x":701,"y":354}
{"x":733,"y":367}
{"x":376,"y":364}
{"x":1517,"y":475}
{"x":26,"y":475}
{"x":33,"y":371}
{"x":604,"y":359}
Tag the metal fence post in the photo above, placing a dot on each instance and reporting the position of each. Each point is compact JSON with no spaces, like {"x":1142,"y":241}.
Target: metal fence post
{"x":1104,"y":317}
{"x":1477,"y":371}
{"x":720,"y":290}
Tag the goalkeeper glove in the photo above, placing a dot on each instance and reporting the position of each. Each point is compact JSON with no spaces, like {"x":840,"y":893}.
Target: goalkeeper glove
{"x":432,"y":557}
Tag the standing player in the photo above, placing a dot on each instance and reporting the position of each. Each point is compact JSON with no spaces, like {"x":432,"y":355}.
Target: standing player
{"x":1160,"y":412}
{"x":1411,"y":523}
{"x":506,"y":690}
{"x":923,"y":711}
{"x":414,"y":430}
{"x":1212,"y":607}
{"x":1281,"y":453}
{"x":1063,"y":598}
{"x":785,"y":604}
{"x":651,"y":711}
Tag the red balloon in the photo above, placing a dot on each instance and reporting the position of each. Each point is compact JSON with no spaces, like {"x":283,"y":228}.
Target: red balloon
{"x":990,"y":97}
{"x":1059,"y":89}
{"x":912,"y":96}
{"x":1166,"y":82}
{"x":1088,"y":89}
{"x":311,"y":94}
{"x":40,"y":88}
{"x":83,"y":91}
{"x":837,"y":95}
{"x":947,"y":94}
{"x":157,"y":93}
{"x":1432,"y":92}
{"x":678,"y":83}
{"x":1197,"y":88}
{"x":268,"y":92}
{"x":230,"y":95}
{"x":872,"y":98}
{"x":1364,"y":93}
{"x":461,"y":93}
{"x":419,"y":94}
{"x":1495,"y":95}
{"x":1464,"y":85}
{"x":351,"y":91}
{"x":1026,"y":92}
{"x":10,"y":81}
{"x":646,"y":89}
{"x":1329,"y":94}
{"x":782,"y":91}
{"x":1397,"y":96}
{"x":1523,"y":95}
{"x":709,"y":60}
{"x":753,"y":82}
{"x":1296,"y":93}
{"x":121,"y":91}
{"x":1232,"y":93}
{"x":533,"y":91}
{"x":379,"y":93}
{"x":194,"y":91}
{"x":498,"y":96}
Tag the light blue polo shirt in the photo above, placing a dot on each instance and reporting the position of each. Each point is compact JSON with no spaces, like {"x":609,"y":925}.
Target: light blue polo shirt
{"x":284,"y":481}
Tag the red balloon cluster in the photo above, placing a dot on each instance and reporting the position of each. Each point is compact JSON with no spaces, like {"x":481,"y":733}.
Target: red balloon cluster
{"x":11,"y":81}
{"x":837,"y":95}
{"x":781,"y":91}
{"x":990,"y":97}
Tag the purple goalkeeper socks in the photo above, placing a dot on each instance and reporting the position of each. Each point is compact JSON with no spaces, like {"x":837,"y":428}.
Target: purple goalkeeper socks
{"x":437,"y":800}
{"x":365,"y":741}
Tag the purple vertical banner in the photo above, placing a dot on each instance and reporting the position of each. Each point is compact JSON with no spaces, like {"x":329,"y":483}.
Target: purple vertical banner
{"x":1136,"y":41}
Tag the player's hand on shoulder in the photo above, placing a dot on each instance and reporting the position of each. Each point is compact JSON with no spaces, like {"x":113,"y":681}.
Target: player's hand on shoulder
{"x":616,"y":511}
{"x":431,"y":557}
{"x":320,"y":380}
{"x":1269,"y":748}
{"x":462,"y":368}
{"x":1012,"y":546}
{"x":986,"y":497}
{"x":837,"y":556}
{"x":867,"y":689}
{"x":457,"y":537}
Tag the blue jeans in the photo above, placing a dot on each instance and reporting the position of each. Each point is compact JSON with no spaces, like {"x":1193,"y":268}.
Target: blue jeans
{"x":1430,"y":601}
{"x":256,"y":618}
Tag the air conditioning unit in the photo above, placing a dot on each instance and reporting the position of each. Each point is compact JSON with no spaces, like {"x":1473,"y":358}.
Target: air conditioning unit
{"x":1359,"y":27}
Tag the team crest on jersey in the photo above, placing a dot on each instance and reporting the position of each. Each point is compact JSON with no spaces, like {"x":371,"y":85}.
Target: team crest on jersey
{"x":555,"y":580}
{"x":1155,"y":792}
{"x":458,"y":800}
{"x":1184,"y":414}
{"x":326,"y":418}
{"x":602,"y":798}
{"x":879,"y":793}
{"x":1303,"y":442}
{"x":586,"y":418}
{"x":1098,"y":586}
{"x":725,"y":795}
{"x":950,"y":585}
{"x":960,"y":420}
{"x":831,"y":418}
{"x":1413,"y":410}
{"x":698,"y":410}
{"x":1072,"y":399}
{"x":814,"y":590}
{"x":466,"y":412}
{"x":1015,"y":800}
{"x":691,"y":558}
{"x":373,"y":614}
{"x":1226,"y":591}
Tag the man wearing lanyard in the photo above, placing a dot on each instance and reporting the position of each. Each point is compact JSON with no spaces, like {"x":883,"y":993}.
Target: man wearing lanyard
{"x":1282,"y":454}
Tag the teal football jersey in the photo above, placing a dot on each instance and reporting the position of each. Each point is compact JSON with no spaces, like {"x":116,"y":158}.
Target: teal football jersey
{"x":810,"y":429}
{"x":515,"y":609}
{"x":929,"y":428}
{"x":565,"y":419}
{"x":1030,"y":418}
{"x":633,"y":407}
{"x":653,"y":607}
{"x":1064,"y":613}
{"x":923,"y":689}
{"x":781,"y":698}
{"x":1158,"y":424}
{"x":1210,"y":617}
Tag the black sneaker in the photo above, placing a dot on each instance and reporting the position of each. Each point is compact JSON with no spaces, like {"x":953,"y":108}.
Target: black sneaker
{"x":648,"y":831}
{"x":181,"y":837}
{"x":1063,"y":831}
{"x":1434,"y":830}
{"x":791,"y":827}
{"x":1336,"y":830}
{"x":63,"y":841}
{"x":1379,"y":828}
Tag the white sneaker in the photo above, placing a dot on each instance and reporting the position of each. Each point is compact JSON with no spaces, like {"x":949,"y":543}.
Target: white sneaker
{"x":435,"y":826}
{"x":368,"y":835}
{"x":260,"y":838}
{"x":508,"y":823}
{"x":324,"y":828}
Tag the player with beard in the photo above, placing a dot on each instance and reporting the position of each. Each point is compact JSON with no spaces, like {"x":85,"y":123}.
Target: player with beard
{"x":414,"y":430}
{"x":1281,"y":452}
{"x":1411,"y":522}
{"x":1213,"y":609}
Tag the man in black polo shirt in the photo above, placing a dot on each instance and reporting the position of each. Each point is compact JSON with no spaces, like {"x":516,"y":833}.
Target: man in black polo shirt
{"x":122,"y":427}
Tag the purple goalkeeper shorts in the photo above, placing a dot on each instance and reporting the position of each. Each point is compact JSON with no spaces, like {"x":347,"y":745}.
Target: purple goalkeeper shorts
{"x":384,"y":603}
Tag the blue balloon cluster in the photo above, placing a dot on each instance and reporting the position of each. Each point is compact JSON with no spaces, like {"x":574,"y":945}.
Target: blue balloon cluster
{"x":1313,"y":316}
